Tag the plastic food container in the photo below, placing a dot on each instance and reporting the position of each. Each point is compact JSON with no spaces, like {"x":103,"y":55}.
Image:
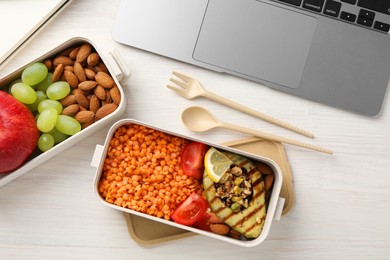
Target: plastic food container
{"x":275,"y":204}
{"x":116,"y":68}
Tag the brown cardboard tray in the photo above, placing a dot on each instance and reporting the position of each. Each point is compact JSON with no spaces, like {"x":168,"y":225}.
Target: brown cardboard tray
{"x":148,"y":232}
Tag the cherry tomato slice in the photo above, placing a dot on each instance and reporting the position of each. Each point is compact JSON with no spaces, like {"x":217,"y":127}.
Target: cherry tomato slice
{"x":191,"y":210}
{"x":204,"y":222}
{"x":207,"y":220}
{"x":192,"y":159}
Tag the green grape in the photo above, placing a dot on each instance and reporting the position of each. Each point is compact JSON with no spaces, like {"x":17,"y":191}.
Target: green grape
{"x":50,"y":103}
{"x":24,"y":93}
{"x":34,"y":73}
{"x":44,"y":84}
{"x":47,"y":119}
{"x":58,"y":90}
{"x":40,"y":96}
{"x":45,"y":142}
{"x":16,"y":81}
{"x":67,"y":125}
{"x":58,"y":136}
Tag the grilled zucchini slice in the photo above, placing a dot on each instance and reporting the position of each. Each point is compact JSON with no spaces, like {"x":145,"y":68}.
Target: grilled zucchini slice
{"x":249,"y":221}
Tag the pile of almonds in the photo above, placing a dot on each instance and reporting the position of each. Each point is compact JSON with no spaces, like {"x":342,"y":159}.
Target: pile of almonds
{"x":95,"y":94}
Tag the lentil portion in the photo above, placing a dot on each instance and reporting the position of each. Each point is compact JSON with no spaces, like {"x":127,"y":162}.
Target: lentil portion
{"x":142,"y":171}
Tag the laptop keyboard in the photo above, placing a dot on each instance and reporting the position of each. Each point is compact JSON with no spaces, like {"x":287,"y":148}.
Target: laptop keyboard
{"x":373,"y":14}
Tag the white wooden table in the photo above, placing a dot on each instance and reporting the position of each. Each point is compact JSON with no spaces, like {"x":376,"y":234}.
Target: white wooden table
{"x":342,"y":201}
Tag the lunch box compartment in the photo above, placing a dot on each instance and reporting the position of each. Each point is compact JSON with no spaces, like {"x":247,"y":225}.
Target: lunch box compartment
{"x":274,"y":209}
{"x":116,"y":68}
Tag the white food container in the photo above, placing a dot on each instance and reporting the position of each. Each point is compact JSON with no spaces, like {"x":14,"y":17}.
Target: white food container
{"x":116,"y":68}
{"x":274,"y":208}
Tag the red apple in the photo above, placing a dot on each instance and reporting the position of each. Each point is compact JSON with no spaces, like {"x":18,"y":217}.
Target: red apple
{"x":18,"y":133}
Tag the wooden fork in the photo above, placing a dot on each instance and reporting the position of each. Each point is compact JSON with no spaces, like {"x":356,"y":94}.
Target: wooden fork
{"x":191,"y":88}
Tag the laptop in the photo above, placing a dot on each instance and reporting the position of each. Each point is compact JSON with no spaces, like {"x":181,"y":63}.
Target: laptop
{"x":336,"y":52}
{"x":20,"y":19}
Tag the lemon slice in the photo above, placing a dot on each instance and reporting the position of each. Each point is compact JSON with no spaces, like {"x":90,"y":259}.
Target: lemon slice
{"x":216,"y":164}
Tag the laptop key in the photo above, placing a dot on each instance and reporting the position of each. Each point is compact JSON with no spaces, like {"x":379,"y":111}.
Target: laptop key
{"x":332,"y":8}
{"x":314,"y":5}
{"x":382,"y":6}
{"x":382,"y":26}
{"x":367,"y":14}
{"x":293,"y":2}
{"x":364,"y":21}
{"x":348,"y":17}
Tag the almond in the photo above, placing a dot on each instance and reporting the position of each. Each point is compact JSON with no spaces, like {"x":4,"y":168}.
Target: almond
{"x":68,"y":67}
{"x":73,"y":53}
{"x":264,"y":168}
{"x":65,"y":52}
{"x":100,"y":92}
{"x":71,"y":110}
{"x":84,"y":116}
{"x":68,"y":100}
{"x":87,"y":85}
{"x":268,"y":181}
{"x":83,"y":52}
{"x":48,"y":63}
{"x":115,"y":95}
{"x":63,"y":76}
{"x":81,"y":99}
{"x":94,"y":103}
{"x":93,"y":59}
{"x":78,"y":70}
{"x":108,"y":98}
{"x":71,"y":78}
{"x":83,"y":108}
{"x":96,"y":69}
{"x":214,"y":219}
{"x":62,"y":60}
{"x":57,"y":72}
{"x":86,"y":124}
{"x":85,"y":92}
{"x":221,"y":229}
{"x":104,"y":80}
{"x":102,"y":67}
{"x":234,"y":233}
{"x":105,"y":110}
{"x":90,"y":73}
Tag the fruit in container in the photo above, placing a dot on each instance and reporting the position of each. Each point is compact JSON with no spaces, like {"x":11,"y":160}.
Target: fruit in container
{"x":72,"y":74}
{"x":24,"y":93}
{"x":34,"y":74}
{"x":18,"y":133}
{"x":43,"y":89}
{"x":47,"y":119}
{"x":58,"y":90}
{"x":45,"y":142}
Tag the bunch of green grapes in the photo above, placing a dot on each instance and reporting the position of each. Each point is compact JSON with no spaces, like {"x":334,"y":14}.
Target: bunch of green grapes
{"x":36,"y":90}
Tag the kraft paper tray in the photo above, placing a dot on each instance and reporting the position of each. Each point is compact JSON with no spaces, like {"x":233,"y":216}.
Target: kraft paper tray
{"x":147,"y":232}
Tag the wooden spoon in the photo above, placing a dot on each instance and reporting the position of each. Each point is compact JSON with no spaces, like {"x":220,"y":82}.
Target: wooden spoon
{"x":199,"y":120}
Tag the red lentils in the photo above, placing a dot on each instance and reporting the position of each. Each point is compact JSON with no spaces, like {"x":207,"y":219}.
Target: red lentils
{"x":142,"y":171}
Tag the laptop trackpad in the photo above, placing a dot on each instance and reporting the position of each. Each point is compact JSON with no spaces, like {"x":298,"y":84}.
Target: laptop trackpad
{"x":256,"y":39}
